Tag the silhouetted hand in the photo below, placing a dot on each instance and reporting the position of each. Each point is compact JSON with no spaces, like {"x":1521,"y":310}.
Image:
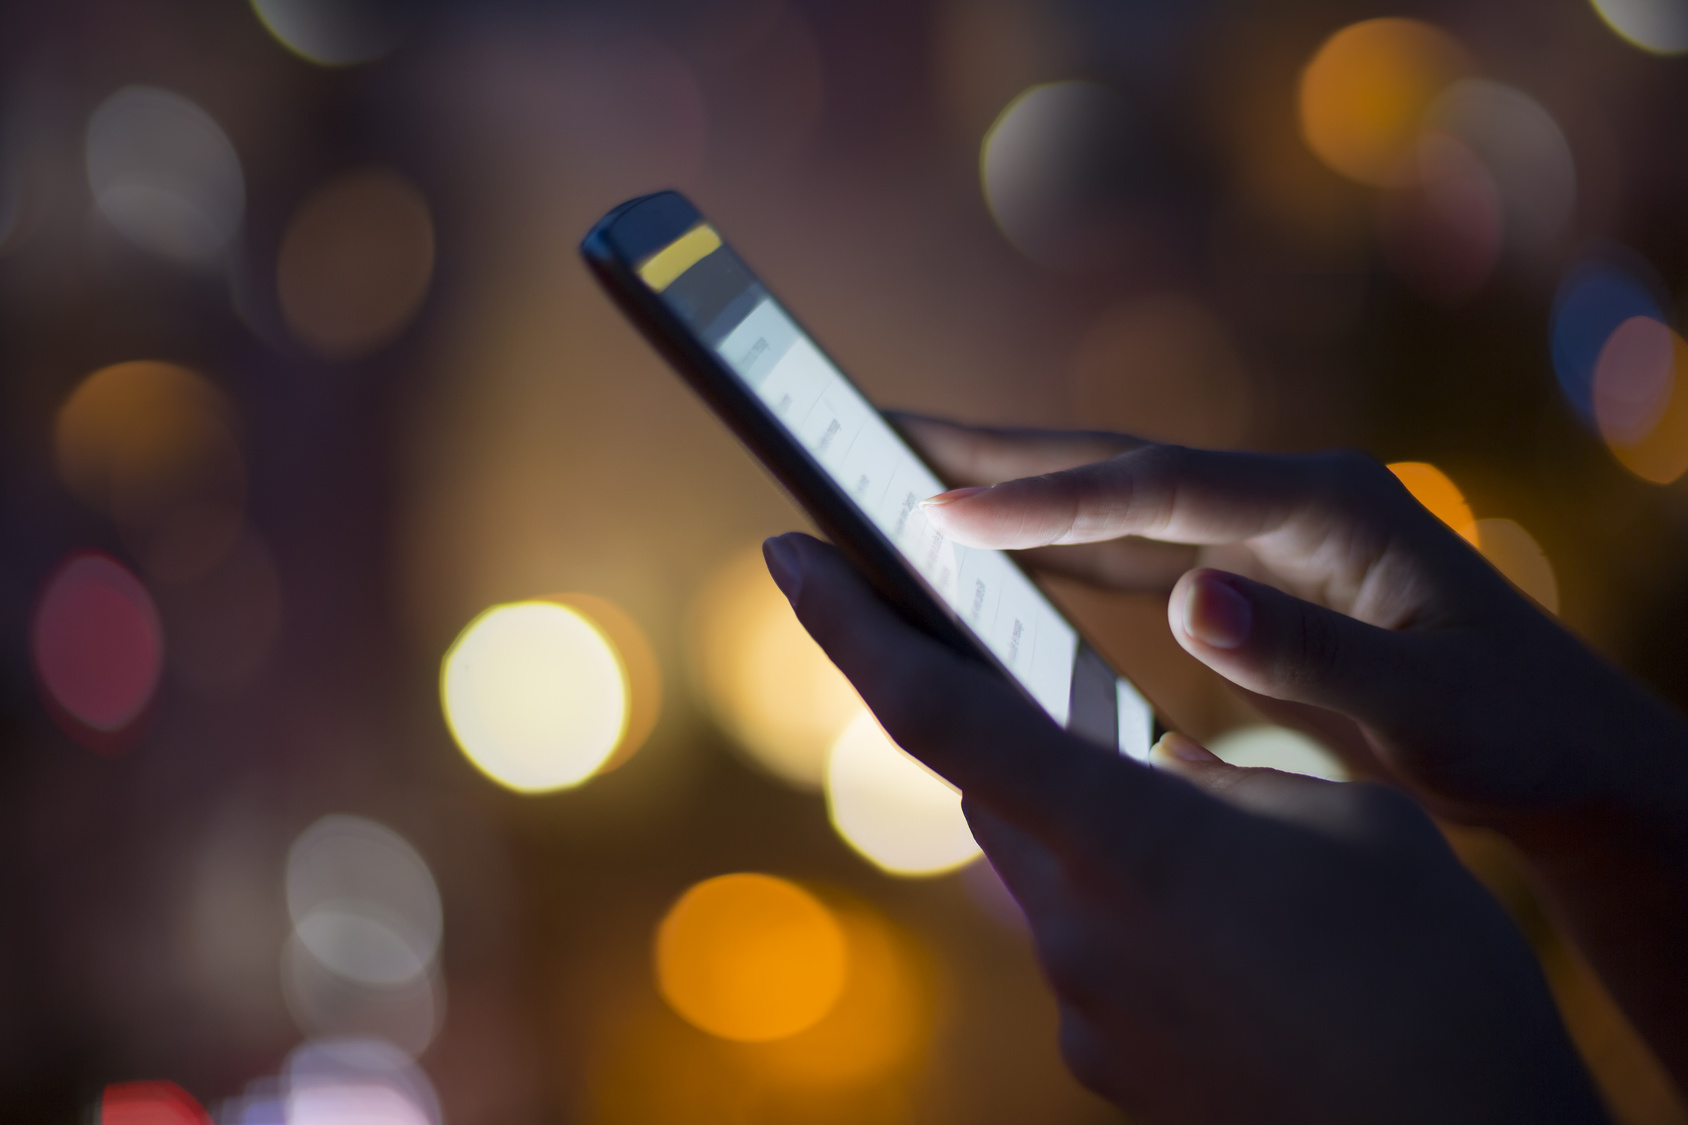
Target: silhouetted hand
{"x":1360,"y":617}
{"x":1227,"y":945}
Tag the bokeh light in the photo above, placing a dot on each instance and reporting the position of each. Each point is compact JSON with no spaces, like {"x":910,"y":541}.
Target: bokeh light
{"x":356,"y":1082}
{"x":367,"y":925}
{"x":883,"y":1018}
{"x":1523,"y":150}
{"x":336,"y":32}
{"x":891,"y":808}
{"x":150,"y":1103}
{"x":1659,"y":26}
{"x":535,"y":695}
{"x":1641,"y":399}
{"x":750,"y":957}
{"x":1061,"y":168}
{"x":1264,"y":746}
{"x":356,"y":262}
{"x":363,"y":901}
{"x":150,"y":444}
{"x":638,"y":661}
{"x":1364,"y":95}
{"x":97,"y":645}
{"x":1165,"y":368}
{"x":1515,"y":553}
{"x":1593,"y":300}
{"x":1443,"y":233}
{"x":1433,"y":488}
{"x":762,"y":677}
{"x":164,"y":175}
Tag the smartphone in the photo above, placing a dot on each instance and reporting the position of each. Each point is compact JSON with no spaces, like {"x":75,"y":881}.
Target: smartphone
{"x":670,"y":271}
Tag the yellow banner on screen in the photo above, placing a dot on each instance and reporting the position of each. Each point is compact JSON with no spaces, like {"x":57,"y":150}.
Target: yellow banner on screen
{"x":660,"y":269}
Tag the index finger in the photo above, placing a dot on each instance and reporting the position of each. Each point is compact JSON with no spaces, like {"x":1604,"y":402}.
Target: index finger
{"x":960,"y":718}
{"x":1168,"y":493}
{"x":970,"y":455}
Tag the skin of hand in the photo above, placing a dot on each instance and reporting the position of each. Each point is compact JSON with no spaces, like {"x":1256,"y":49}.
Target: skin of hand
{"x":1351,"y":612}
{"x":1226,"y":945}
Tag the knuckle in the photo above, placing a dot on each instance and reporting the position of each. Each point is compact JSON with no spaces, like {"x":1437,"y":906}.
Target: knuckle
{"x":1064,"y":952}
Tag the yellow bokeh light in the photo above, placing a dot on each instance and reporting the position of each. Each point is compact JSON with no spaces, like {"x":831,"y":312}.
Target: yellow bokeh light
{"x":890,"y":808}
{"x":638,"y":661}
{"x":1364,"y":95}
{"x":750,"y":957}
{"x":1641,"y":399}
{"x":535,"y":695}
{"x":1431,"y":487}
{"x":1515,"y":553}
{"x":1657,"y":26}
{"x":355,"y":263}
{"x":766,"y":683}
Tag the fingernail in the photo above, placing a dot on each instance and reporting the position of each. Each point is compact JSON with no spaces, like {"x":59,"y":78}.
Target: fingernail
{"x":1217,"y":613}
{"x":783,"y":565}
{"x":953,"y":495}
{"x":1184,"y":748}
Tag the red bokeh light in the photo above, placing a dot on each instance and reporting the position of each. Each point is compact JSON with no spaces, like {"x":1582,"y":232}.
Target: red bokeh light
{"x":98,"y":646}
{"x":150,"y":1103}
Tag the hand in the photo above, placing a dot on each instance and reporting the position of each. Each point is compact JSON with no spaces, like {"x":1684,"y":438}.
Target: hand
{"x":1375,"y":627}
{"x":1226,"y":945}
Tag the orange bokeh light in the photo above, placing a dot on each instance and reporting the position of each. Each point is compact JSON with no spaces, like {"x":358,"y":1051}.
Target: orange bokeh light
{"x":356,"y":263}
{"x":1364,"y":95}
{"x":1431,"y":487}
{"x":750,"y":957}
{"x":151,"y":443}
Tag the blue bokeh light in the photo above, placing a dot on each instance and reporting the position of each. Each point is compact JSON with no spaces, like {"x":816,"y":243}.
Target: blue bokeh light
{"x":1593,"y":299}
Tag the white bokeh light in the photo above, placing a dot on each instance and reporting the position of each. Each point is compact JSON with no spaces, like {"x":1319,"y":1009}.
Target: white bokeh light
{"x":335,"y":32}
{"x":535,"y":695}
{"x":892,"y":809}
{"x":1659,"y":26}
{"x":164,"y":175}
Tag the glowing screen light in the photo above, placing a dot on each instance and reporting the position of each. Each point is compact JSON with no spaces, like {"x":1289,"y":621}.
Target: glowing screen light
{"x":763,"y":679}
{"x":1593,"y":300}
{"x":1264,"y":746}
{"x":1659,"y":26}
{"x":164,"y":175}
{"x":750,"y":957}
{"x":97,"y":644}
{"x":535,"y":695}
{"x":1364,"y":95}
{"x":1641,"y":399}
{"x":355,"y":263}
{"x":890,"y":808}
{"x":1516,"y":554}
{"x":1431,"y":487}
{"x":150,"y":1103}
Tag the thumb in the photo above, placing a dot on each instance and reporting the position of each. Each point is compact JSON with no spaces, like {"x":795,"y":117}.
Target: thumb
{"x":1277,"y":645}
{"x":1308,"y":801}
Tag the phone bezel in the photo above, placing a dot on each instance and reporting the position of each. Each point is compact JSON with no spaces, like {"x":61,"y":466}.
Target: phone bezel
{"x":611,"y":250}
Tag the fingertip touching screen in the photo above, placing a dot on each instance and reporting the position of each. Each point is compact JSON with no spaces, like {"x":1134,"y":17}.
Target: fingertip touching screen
{"x":710,"y":289}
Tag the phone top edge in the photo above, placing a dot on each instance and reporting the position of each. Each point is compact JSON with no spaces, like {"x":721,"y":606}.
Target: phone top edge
{"x":640,"y":227}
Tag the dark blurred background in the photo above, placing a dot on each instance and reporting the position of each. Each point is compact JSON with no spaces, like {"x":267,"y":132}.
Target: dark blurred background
{"x":301,"y":377}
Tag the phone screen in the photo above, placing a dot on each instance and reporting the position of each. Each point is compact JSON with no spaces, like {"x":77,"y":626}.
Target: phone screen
{"x":709,"y":289}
